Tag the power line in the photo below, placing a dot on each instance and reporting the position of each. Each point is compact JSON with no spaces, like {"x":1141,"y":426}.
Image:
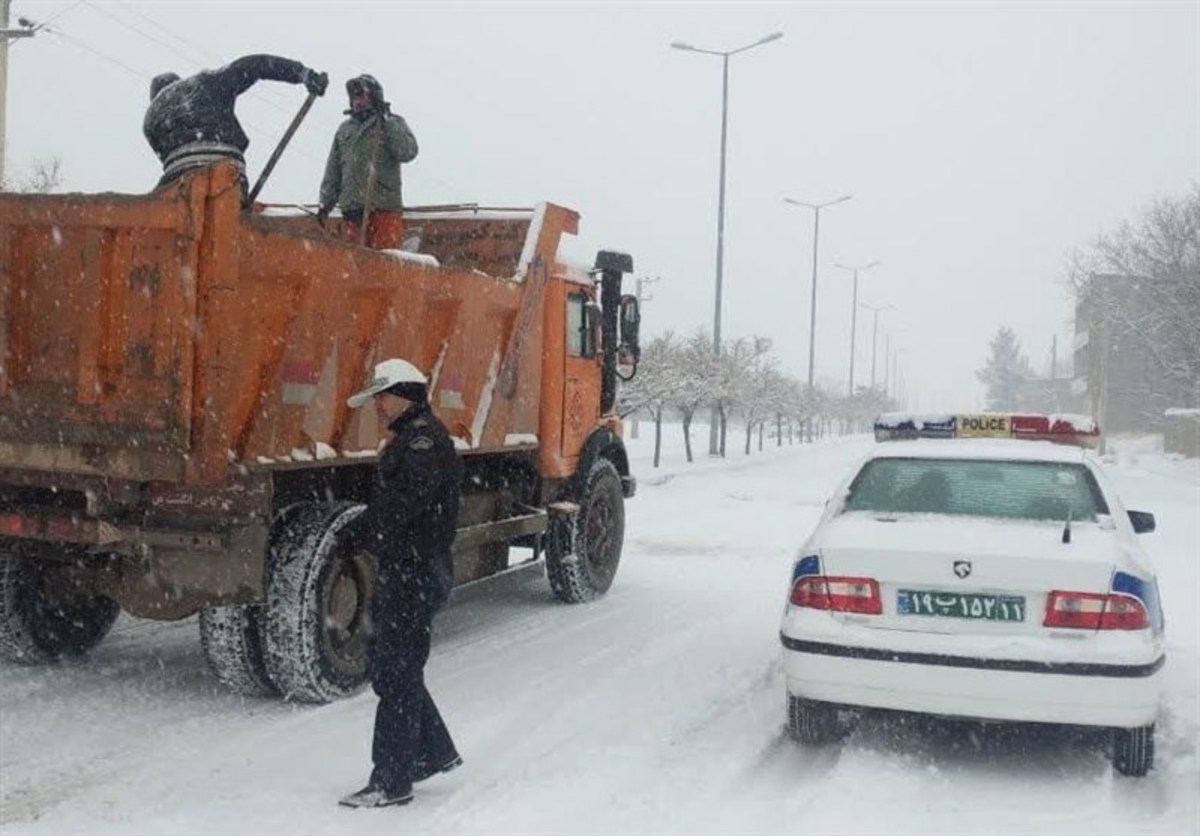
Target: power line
{"x":81,"y":45}
{"x":299,"y":146}
{"x":170,"y":33}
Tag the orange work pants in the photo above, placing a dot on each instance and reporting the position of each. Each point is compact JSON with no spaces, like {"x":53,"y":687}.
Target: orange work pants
{"x":385,"y":230}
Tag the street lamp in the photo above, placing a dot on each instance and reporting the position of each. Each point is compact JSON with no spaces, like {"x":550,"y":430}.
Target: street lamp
{"x":854,"y":312}
{"x":812,"y":311}
{"x":774,"y":36}
{"x":875,"y":333}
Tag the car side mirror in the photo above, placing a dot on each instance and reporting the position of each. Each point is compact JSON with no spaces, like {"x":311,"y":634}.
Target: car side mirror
{"x":1143,"y":521}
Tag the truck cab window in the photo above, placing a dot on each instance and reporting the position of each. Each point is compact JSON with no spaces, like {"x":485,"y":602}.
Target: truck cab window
{"x":581,"y":341}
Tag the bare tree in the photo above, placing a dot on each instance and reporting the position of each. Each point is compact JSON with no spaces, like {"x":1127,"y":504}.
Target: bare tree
{"x":654,"y":387}
{"x":43,"y":177}
{"x":1141,"y":283}
{"x":695,"y":370}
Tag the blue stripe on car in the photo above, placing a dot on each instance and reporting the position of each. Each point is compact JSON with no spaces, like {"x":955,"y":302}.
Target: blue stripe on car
{"x":1144,"y":591}
{"x":810,"y":565}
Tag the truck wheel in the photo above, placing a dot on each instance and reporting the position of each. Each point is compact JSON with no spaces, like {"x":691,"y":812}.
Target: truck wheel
{"x":813,"y":723}
{"x":43,"y":618}
{"x":232,"y":644}
{"x":317,"y":612}
{"x":585,"y":572}
{"x":232,"y":636}
{"x":1133,"y":750}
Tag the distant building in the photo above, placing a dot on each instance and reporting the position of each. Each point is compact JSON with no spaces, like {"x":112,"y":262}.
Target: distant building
{"x":1119,"y":356}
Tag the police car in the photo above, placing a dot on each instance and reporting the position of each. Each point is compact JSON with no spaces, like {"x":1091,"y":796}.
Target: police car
{"x":980,"y":567}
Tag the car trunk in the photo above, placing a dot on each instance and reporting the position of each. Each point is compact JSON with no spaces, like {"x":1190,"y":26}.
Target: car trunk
{"x":946,"y":574}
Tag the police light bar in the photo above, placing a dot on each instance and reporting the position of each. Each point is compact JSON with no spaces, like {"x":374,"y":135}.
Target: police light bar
{"x":1079,"y":430}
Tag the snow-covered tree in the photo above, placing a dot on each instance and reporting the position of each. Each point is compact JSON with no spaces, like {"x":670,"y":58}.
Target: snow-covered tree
{"x":653,"y":389}
{"x":1159,"y":253}
{"x":1006,"y":370}
{"x":695,"y":367}
{"x":43,"y":177}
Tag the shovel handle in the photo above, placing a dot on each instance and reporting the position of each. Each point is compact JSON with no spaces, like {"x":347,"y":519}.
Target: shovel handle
{"x":278,"y":152}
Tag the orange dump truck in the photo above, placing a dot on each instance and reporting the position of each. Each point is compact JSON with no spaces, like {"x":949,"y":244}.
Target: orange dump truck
{"x":174,"y":435}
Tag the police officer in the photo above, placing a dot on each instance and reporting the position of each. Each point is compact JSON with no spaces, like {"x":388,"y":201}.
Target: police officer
{"x":409,"y":526}
{"x":191,"y":122}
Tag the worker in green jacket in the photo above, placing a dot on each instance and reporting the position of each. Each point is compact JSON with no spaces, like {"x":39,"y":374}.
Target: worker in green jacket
{"x":362,"y":175}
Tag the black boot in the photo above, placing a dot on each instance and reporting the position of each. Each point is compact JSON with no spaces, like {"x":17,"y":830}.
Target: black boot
{"x":374,"y":795}
{"x":423,"y":771}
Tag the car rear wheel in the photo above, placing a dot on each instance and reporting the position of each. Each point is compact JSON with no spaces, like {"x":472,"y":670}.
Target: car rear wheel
{"x":812,"y":722}
{"x":1133,"y":750}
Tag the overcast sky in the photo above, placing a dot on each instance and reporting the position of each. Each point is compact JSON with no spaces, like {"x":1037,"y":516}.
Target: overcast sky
{"x":981,"y":142}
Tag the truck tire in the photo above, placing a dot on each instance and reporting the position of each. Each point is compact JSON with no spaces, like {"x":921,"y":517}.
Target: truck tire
{"x":231,"y":638}
{"x":314,"y":632}
{"x":42,"y":619}
{"x":1133,"y":750}
{"x":597,"y":533}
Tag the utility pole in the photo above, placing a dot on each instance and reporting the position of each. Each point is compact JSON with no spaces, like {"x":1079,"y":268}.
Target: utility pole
{"x":26,"y":30}
{"x":641,"y":284}
{"x":887,"y":365}
{"x":812,"y":310}
{"x":875,"y":334}
{"x":1054,"y":372}
{"x":713,"y":430}
{"x":854,"y":313}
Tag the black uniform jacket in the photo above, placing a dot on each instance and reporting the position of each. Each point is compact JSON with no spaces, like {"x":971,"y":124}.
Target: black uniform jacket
{"x":200,"y":108}
{"x":410,"y":522}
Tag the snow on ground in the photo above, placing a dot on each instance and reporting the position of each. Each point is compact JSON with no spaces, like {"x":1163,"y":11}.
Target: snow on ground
{"x":658,"y":709}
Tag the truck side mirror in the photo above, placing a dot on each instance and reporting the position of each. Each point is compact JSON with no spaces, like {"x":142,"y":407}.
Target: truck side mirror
{"x":629,"y":350}
{"x":631,"y":320}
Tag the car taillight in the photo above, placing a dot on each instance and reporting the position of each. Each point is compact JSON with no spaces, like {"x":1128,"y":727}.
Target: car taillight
{"x":822,"y":592}
{"x":1094,"y":611}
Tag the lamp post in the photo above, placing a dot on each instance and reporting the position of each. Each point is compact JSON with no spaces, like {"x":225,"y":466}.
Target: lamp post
{"x":854,"y":312}
{"x":812,"y":311}
{"x":875,"y":334}
{"x":724,"y":54}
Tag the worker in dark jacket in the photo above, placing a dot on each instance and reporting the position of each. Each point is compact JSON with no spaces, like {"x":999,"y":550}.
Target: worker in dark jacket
{"x":409,"y":526}
{"x":190,"y":122}
{"x":362,"y":174}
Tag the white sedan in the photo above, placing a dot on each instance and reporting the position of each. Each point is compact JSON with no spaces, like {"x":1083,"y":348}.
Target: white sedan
{"x":996,"y":577}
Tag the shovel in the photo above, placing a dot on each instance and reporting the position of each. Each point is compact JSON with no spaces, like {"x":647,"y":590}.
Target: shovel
{"x":287,"y":137}
{"x":376,"y":141}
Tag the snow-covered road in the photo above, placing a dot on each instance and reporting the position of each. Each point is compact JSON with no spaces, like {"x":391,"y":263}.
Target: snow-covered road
{"x":658,"y":709}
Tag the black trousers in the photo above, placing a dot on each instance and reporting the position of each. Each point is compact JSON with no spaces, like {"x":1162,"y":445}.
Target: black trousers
{"x":410,"y":737}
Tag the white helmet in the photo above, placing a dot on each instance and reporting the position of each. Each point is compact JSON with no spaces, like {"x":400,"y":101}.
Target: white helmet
{"x":389,"y":373}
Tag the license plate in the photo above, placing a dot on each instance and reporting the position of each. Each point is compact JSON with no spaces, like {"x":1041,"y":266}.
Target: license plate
{"x":961,"y":605}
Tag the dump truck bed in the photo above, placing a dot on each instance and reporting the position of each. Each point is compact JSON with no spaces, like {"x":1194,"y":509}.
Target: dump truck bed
{"x":164,"y":337}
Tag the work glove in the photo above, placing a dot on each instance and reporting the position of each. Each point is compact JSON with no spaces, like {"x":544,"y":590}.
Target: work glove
{"x":323,"y":215}
{"x":316,"y":82}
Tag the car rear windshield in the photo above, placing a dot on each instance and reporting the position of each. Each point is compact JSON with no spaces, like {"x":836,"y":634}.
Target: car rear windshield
{"x":1004,"y":489}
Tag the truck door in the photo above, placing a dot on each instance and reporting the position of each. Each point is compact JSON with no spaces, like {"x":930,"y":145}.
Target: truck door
{"x":581,"y":374}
